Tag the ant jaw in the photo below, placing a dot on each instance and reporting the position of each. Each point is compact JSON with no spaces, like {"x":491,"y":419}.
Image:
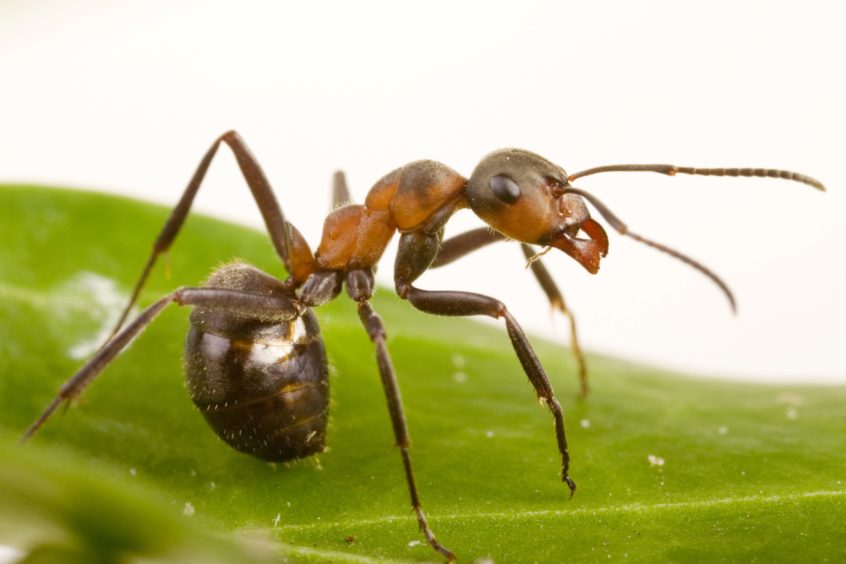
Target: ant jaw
{"x":587,"y":252}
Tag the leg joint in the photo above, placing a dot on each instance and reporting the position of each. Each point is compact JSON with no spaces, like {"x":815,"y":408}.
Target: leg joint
{"x":371,"y":321}
{"x":230,"y":136}
{"x":179,"y":295}
{"x":402,"y":287}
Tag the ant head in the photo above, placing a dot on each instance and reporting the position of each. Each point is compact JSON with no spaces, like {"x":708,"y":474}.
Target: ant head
{"x":526,"y":197}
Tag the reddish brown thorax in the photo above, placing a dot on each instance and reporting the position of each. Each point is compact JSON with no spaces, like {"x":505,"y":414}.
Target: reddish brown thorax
{"x":516,"y":192}
{"x":410,"y":198}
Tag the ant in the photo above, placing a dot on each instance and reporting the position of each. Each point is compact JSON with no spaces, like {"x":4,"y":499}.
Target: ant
{"x":255,"y":362}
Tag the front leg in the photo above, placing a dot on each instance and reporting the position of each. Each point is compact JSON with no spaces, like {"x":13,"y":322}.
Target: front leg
{"x":416,"y":252}
{"x":460,"y":245}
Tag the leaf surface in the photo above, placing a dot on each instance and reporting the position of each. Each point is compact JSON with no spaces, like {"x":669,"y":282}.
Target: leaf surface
{"x":669,"y":468}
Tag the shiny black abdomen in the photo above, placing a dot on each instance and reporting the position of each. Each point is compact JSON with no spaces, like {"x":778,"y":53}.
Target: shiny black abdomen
{"x":263,"y":387}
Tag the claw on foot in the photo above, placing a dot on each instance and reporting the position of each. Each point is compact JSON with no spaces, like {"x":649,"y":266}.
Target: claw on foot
{"x":570,"y":484}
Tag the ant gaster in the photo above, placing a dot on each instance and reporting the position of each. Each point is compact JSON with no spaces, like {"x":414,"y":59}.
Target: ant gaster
{"x":254,"y":359}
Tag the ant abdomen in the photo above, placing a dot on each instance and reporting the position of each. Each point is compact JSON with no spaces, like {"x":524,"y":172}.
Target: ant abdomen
{"x":262,"y":386}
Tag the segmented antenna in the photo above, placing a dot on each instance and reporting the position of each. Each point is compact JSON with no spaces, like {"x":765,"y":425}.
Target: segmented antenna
{"x":672,"y":170}
{"x":623,"y":229}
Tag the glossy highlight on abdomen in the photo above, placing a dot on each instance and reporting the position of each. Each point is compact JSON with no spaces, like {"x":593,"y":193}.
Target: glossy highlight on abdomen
{"x":262,"y":387}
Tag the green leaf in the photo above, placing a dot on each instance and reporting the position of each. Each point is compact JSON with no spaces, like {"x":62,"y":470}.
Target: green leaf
{"x":669,"y":467}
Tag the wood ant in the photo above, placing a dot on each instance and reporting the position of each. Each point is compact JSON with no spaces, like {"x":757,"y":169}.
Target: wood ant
{"x":255,"y":362}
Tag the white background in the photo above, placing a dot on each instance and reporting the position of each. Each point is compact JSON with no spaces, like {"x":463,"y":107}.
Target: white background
{"x":126,"y":96}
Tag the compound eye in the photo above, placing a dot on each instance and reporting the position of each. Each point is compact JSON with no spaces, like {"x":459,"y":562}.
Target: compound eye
{"x":504,"y":188}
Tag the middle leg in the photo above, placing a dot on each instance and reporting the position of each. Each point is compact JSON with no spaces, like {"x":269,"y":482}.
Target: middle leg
{"x":340,"y":192}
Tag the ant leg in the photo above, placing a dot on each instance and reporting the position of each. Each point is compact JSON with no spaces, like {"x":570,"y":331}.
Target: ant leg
{"x":466,"y":304}
{"x":465,"y":243}
{"x":340,"y":192}
{"x":360,"y":288}
{"x":247,"y":304}
{"x":456,"y":247}
{"x":556,"y":301}
{"x":281,"y":232}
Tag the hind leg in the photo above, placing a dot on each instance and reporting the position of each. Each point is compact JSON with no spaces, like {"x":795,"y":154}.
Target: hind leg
{"x":248,"y":304}
{"x":287,"y":241}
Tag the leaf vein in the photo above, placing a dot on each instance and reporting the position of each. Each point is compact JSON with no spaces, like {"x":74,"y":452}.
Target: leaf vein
{"x":610,"y":509}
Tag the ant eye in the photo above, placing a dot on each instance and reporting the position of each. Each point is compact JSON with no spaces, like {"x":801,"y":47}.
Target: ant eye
{"x":504,"y":188}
